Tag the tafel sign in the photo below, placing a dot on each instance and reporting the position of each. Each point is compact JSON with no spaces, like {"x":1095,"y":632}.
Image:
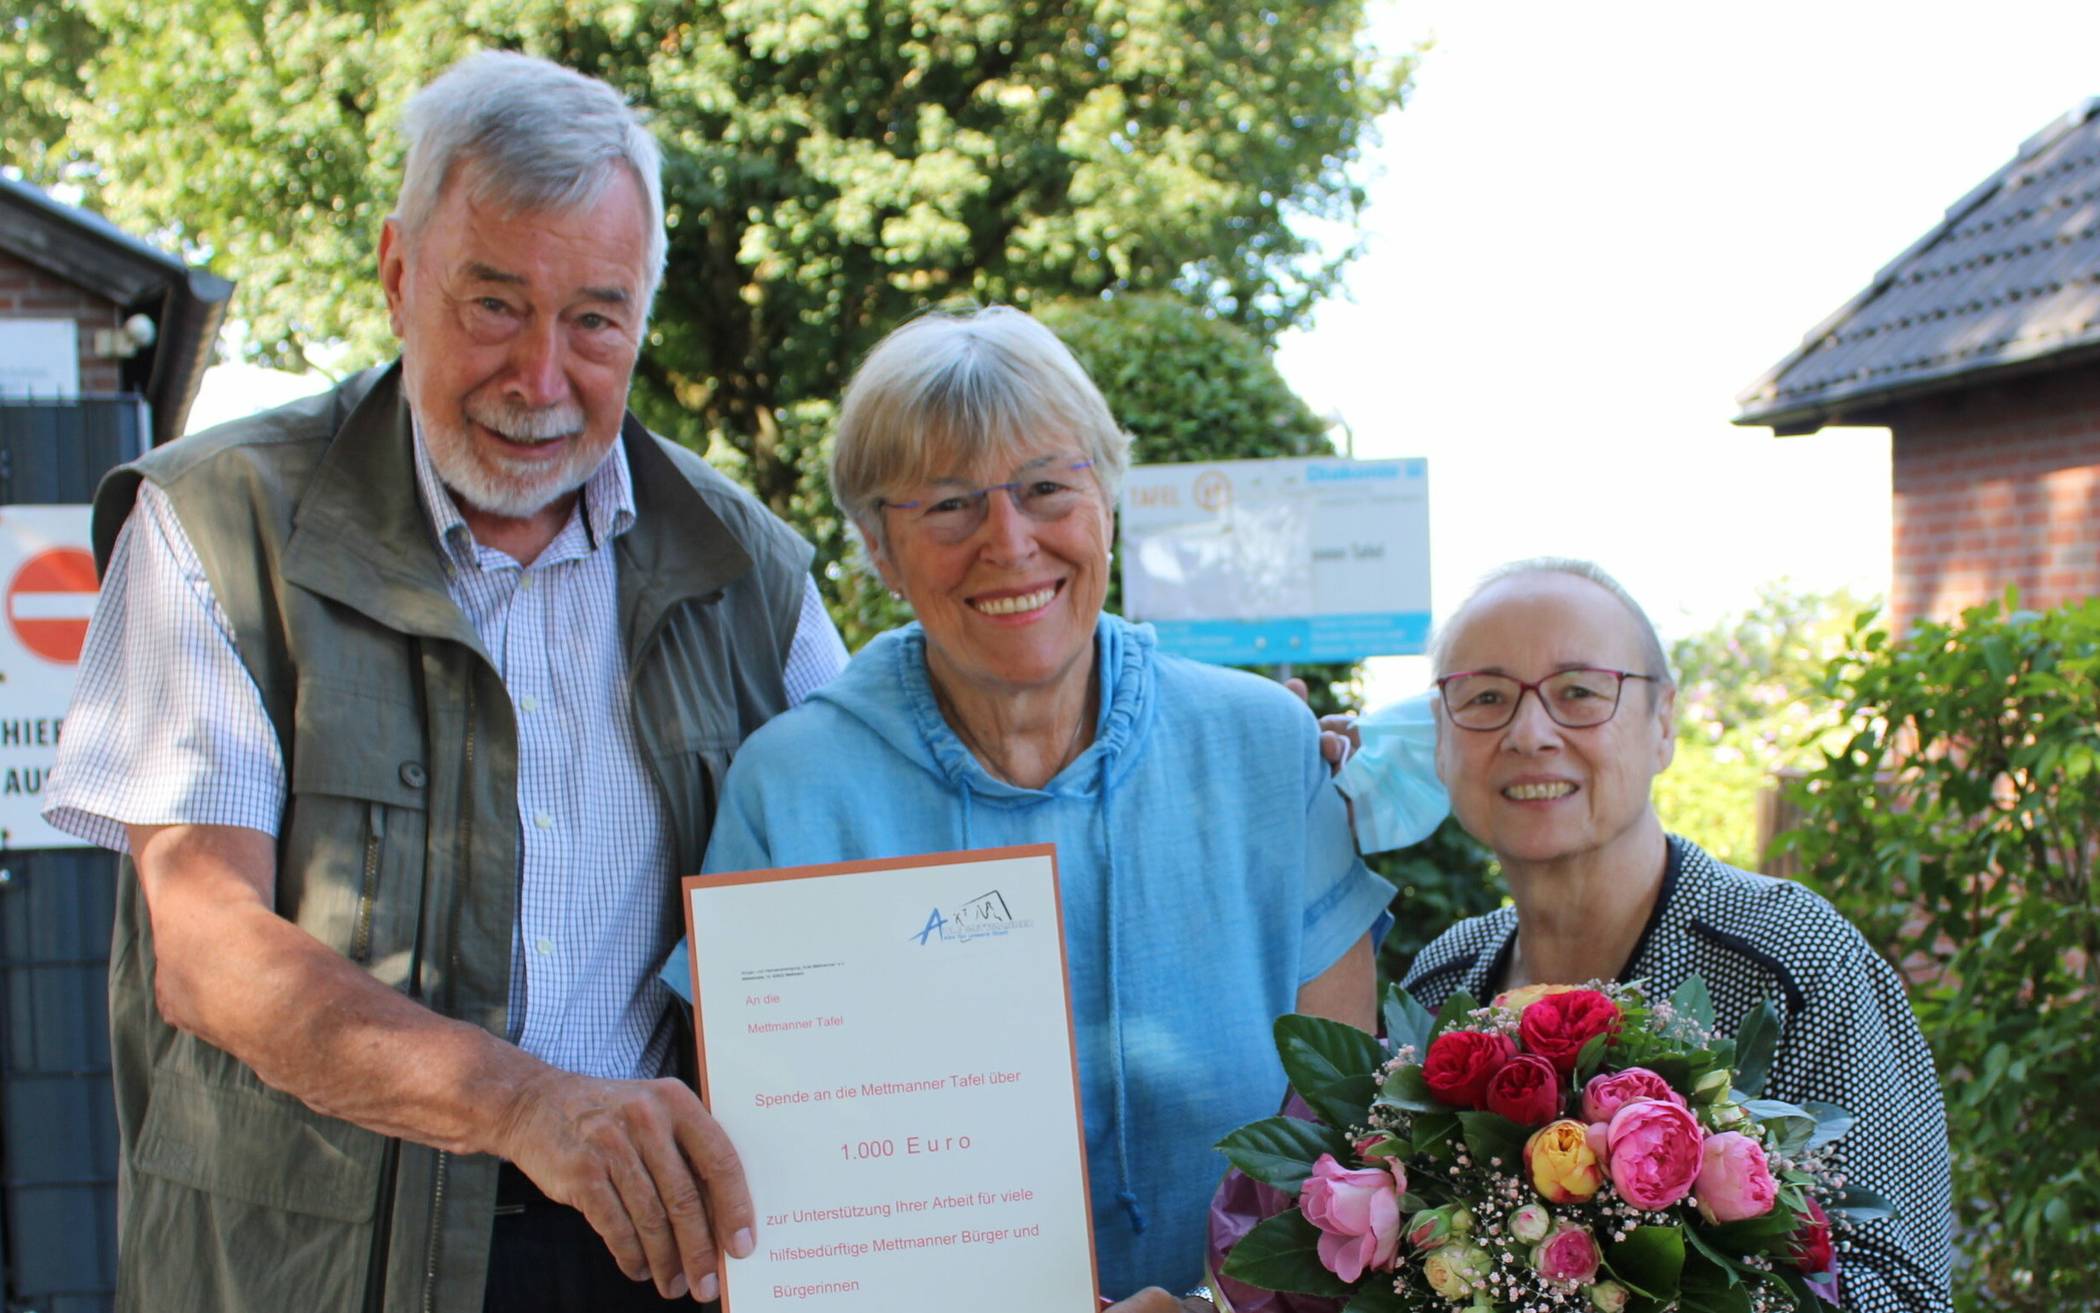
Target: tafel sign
{"x":49,"y":575}
{"x":1256,"y":562}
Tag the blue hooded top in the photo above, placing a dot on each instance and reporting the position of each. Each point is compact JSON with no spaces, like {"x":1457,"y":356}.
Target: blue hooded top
{"x":1206,"y":871}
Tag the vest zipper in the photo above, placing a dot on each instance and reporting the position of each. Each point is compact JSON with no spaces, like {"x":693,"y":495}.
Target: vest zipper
{"x":375,"y":838}
{"x":444,"y":1159}
{"x":437,"y":1224}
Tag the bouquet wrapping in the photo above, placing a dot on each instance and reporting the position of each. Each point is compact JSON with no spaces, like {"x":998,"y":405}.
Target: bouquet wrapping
{"x":1563,"y":1148}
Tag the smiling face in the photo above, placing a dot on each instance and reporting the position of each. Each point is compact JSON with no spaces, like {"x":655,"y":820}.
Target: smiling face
{"x":1534,"y":791}
{"x":519,"y":332}
{"x":1012,"y":605}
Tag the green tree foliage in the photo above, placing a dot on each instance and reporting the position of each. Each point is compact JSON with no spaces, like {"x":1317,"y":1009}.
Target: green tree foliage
{"x":1954,"y":822}
{"x":1749,"y":707}
{"x":1440,"y":881}
{"x":832,"y":166}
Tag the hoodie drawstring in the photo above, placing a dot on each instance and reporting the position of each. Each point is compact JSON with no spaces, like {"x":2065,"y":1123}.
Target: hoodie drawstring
{"x":1118,"y":1069}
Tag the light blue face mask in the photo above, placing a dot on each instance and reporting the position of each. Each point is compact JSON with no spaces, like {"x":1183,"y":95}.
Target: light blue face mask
{"x":1394,"y":793}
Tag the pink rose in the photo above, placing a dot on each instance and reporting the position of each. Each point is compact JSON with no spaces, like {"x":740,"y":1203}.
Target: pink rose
{"x":1654,"y":1153}
{"x":1568,"y":1254}
{"x":1358,"y":1214}
{"x":1735,"y":1182}
{"x":1526,"y":1089}
{"x":1605,"y":1095}
{"x":1368,"y":1152}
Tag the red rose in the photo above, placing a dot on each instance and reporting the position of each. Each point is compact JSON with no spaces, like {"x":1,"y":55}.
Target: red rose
{"x":1557,"y":1026}
{"x":1460,"y":1062}
{"x":1811,"y":1251}
{"x":1526,"y":1090}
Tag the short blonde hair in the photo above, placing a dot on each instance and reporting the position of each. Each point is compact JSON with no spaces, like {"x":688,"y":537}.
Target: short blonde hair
{"x":1651,"y":642}
{"x":952,"y":387}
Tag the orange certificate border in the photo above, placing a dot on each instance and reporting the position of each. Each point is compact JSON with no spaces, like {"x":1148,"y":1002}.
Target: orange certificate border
{"x":826,"y":870}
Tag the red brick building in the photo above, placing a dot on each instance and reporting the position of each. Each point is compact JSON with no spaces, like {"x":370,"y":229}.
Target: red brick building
{"x":1979,"y":349}
{"x":143,"y":321}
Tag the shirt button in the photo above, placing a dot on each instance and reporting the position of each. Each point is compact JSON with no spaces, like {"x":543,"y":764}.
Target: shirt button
{"x":524,"y":582}
{"x":412,"y":774}
{"x":529,"y":702}
{"x":545,"y":947}
{"x":544,"y":821}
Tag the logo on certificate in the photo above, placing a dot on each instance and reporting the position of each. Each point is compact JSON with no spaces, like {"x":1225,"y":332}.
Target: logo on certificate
{"x":984,"y":917}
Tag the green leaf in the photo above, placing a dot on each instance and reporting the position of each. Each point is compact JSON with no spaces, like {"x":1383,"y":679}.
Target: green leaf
{"x":1280,"y":1151}
{"x":1861,"y":1205}
{"x":1756,"y":1040}
{"x":1726,"y":1265}
{"x":1797,"y":1288}
{"x":1376,"y":1296}
{"x":1281,"y":1254}
{"x":1330,"y":1065}
{"x":1650,"y":1260}
{"x":1433,"y":1129}
{"x":1408,"y":1090}
{"x":1491,"y":1135}
{"x":1753,"y":1234}
{"x":1789,"y":1127}
{"x":1453,"y":1013}
{"x":1831,"y":1122}
{"x":1692,"y":1000}
{"x":1407,"y":1022}
{"x":1591,"y":1056}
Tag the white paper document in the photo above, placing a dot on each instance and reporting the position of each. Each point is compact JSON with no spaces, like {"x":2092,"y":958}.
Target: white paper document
{"x":889,"y":1046}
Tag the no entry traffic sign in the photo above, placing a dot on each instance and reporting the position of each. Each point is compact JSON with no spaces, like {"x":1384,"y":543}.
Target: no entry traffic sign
{"x":50,"y":580}
{"x":50,"y":600}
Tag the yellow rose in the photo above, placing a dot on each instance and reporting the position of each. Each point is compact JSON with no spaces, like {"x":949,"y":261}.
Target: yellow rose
{"x":1564,"y":1168}
{"x":1520,"y":999}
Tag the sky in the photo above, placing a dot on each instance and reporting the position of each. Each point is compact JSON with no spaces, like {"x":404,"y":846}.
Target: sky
{"x":1594,"y":224}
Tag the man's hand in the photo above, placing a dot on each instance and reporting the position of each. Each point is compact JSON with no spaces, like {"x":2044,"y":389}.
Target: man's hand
{"x":1155,"y":1300}
{"x":646,"y":1163}
{"x":642,"y":1160}
{"x":1339,"y":737}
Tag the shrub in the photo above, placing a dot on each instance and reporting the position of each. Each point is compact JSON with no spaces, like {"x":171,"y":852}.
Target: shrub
{"x":1957,"y":826}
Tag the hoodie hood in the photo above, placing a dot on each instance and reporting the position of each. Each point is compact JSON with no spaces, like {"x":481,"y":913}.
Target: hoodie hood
{"x":895,"y":663}
{"x":912,"y":724}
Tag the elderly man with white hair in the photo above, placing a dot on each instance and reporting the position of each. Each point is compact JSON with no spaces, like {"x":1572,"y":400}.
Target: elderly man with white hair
{"x":406,"y":704}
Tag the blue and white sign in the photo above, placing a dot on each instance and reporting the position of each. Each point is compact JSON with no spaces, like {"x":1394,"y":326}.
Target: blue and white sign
{"x":1254,"y":562}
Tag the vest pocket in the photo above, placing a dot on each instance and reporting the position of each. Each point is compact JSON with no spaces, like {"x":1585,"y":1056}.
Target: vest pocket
{"x":351,"y":854}
{"x":259,"y":1147}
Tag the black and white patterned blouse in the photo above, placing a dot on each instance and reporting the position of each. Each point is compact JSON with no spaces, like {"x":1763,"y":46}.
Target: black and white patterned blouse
{"x":1849,"y":1038}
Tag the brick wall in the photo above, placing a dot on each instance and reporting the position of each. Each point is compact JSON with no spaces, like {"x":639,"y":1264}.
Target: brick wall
{"x":27,"y":292}
{"x":1998,"y":485}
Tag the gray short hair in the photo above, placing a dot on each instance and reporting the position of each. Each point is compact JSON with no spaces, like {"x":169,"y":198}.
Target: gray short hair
{"x":1651,"y":643}
{"x":535,"y":135}
{"x":951,"y":386}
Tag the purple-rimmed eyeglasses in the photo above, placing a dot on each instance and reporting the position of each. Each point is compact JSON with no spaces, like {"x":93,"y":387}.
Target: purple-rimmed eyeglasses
{"x":1575,"y":699}
{"x":1044,"y":491}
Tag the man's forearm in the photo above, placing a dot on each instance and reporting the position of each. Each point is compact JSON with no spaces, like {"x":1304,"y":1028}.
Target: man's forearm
{"x":308,"y":1021}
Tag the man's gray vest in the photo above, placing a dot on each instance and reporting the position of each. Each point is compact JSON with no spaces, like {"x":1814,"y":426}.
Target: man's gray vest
{"x":399,"y":846}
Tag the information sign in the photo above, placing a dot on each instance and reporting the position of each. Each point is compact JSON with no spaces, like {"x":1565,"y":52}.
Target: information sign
{"x":1272,"y":561}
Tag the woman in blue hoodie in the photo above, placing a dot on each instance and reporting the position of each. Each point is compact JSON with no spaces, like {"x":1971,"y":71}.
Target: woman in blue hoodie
{"x":1209,"y":879}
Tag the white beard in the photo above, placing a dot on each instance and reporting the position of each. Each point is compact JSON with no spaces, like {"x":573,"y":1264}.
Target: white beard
{"x":498,"y":485}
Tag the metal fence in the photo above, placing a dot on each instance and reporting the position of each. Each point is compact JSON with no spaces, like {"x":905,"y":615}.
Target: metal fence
{"x":58,"y":1139}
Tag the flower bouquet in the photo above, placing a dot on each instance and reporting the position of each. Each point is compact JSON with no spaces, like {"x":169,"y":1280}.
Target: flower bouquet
{"x":1563,"y":1148}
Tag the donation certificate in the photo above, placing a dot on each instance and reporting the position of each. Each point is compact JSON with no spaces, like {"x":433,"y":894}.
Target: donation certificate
{"x":889,"y":1046}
